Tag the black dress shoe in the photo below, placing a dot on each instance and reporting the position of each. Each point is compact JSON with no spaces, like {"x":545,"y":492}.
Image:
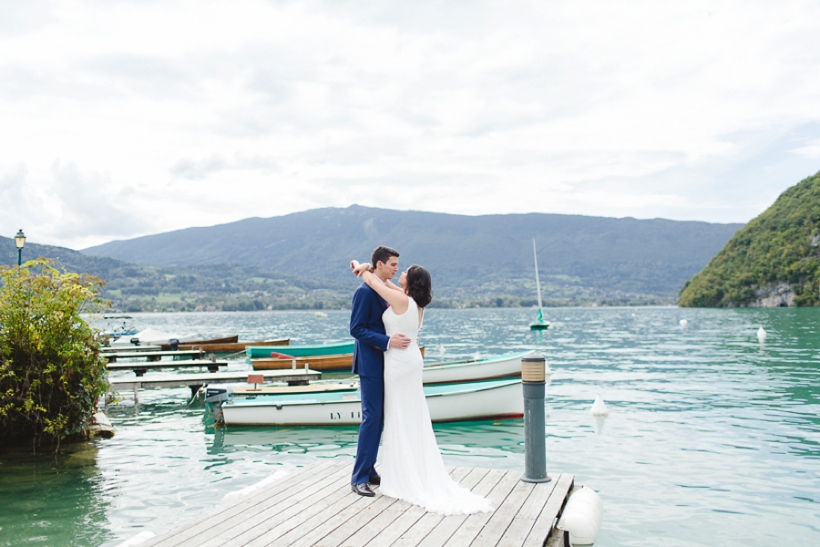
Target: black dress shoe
{"x":363,"y":490}
{"x":375,"y":479}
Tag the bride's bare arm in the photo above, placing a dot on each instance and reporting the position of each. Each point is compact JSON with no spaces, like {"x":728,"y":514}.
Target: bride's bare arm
{"x":358,"y":269}
{"x":394,"y":286}
{"x":395,"y":298}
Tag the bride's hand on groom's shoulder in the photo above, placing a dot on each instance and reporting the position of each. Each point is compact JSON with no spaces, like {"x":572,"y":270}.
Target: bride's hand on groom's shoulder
{"x":359,"y":269}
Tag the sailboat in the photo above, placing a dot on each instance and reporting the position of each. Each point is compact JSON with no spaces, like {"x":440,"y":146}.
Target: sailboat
{"x":539,"y":323}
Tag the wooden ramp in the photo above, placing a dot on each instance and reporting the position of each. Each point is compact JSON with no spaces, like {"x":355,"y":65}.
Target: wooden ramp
{"x":315,"y":507}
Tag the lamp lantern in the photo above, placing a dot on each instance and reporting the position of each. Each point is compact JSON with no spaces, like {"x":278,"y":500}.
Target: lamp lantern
{"x":20,"y":242}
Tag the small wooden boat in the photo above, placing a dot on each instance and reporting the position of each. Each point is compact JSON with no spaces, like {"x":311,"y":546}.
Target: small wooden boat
{"x":232,"y":347}
{"x":289,"y":390}
{"x":497,"y":399}
{"x":256,"y":352}
{"x":322,"y":363}
{"x":224,"y":340}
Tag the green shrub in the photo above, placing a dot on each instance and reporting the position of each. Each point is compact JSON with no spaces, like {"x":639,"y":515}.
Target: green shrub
{"x":51,"y":370}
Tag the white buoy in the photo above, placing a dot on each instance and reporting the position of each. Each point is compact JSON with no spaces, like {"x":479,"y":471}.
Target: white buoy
{"x":683,"y":322}
{"x":761,"y":335}
{"x":598,"y":407}
{"x":582,"y":516}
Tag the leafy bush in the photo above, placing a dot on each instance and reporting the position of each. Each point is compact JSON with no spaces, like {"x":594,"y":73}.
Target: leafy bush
{"x":51,"y":369}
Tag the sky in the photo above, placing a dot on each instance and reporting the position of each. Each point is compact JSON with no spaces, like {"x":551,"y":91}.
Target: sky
{"x":125,"y":118}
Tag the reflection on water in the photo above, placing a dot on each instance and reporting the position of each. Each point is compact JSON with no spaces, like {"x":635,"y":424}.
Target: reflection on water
{"x":712,"y":437}
{"x":52,"y":499}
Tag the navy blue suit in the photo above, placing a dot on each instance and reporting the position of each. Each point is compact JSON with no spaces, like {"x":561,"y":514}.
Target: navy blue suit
{"x":367,"y":328}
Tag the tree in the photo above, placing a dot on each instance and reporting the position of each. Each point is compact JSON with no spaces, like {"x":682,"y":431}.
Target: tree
{"x":51,"y":369}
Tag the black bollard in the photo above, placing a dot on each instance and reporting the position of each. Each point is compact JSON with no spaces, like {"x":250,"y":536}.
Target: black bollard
{"x":533,"y":380}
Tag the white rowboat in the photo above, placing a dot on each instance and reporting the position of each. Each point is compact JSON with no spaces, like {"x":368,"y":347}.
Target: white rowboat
{"x":494,"y":399}
{"x":474,"y":370}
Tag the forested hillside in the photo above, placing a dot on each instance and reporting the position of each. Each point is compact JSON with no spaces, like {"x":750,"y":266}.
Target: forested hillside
{"x":773,"y":261}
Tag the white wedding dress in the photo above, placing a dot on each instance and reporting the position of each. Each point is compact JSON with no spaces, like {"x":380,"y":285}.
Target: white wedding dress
{"x":411,"y":465}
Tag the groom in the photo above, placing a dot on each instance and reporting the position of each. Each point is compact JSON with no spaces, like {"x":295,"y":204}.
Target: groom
{"x":367,"y":328}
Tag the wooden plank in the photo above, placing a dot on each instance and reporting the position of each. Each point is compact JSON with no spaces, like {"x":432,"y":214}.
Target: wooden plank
{"x":130,"y":348}
{"x":544,"y":522}
{"x":262,"y":517}
{"x":309,"y":533}
{"x":374,"y":527}
{"x":523,"y":522}
{"x":370,"y":530}
{"x":473,"y":524}
{"x":369,"y":511}
{"x":503,"y":516}
{"x":334,"y":497}
{"x":221,"y":515}
{"x":193,"y":354}
{"x":142,"y":368}
{"x":439,"y":535}
{"x":445,"y":528}
{"x":391,"y":534}
{"x":416,"y":533}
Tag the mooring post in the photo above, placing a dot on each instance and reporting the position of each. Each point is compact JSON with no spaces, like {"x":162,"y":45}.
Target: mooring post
{"x":533,"y":380}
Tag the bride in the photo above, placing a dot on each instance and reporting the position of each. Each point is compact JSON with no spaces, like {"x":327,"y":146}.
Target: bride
{"x":411,"y":465}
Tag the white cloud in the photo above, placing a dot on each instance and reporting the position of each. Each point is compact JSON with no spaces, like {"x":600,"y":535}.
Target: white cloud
{"x":203,"y":112}
{"x":810,"y":150}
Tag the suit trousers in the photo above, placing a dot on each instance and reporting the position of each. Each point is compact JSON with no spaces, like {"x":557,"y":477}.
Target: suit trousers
{"x":370,"y":432}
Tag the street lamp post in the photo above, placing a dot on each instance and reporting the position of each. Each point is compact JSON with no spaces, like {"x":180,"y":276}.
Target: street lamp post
{"x":20,"y":242}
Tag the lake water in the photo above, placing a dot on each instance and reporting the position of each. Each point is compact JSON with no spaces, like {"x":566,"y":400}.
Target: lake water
{"x":712,"y":437}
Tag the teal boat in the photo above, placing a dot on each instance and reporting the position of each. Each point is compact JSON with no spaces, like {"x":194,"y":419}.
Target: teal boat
{"x":256,"y":352}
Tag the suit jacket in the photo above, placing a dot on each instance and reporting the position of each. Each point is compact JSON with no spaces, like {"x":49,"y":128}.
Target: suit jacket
{"x":367,"y":328}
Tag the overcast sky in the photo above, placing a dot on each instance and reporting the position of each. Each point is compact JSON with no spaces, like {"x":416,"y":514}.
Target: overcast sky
{"x":123,"y":118}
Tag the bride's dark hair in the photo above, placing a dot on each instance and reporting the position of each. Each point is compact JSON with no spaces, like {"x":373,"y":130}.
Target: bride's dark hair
{"x":419,"y":285}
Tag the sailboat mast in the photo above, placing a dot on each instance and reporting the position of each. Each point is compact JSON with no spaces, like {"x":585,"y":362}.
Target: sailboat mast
{"x":537,"y":282}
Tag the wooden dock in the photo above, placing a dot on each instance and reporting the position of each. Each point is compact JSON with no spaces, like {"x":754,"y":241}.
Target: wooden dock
{"x":141,"y":368}
{"x":196,"y":381}
{"x":315,"y":507}
{"x":129,"y":348}
{"x":154,"y":355}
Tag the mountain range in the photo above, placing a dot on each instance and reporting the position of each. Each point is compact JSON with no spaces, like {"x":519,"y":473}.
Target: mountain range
{"x":581,"y":258}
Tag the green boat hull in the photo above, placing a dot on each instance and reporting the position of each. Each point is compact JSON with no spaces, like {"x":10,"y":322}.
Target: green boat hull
{"x":255,"y":352}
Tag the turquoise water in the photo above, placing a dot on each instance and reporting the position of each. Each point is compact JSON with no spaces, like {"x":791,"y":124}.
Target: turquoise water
{"x":712,"y":438}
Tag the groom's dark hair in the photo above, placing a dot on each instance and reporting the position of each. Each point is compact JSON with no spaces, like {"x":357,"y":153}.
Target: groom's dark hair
{"x":382,"y":253}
